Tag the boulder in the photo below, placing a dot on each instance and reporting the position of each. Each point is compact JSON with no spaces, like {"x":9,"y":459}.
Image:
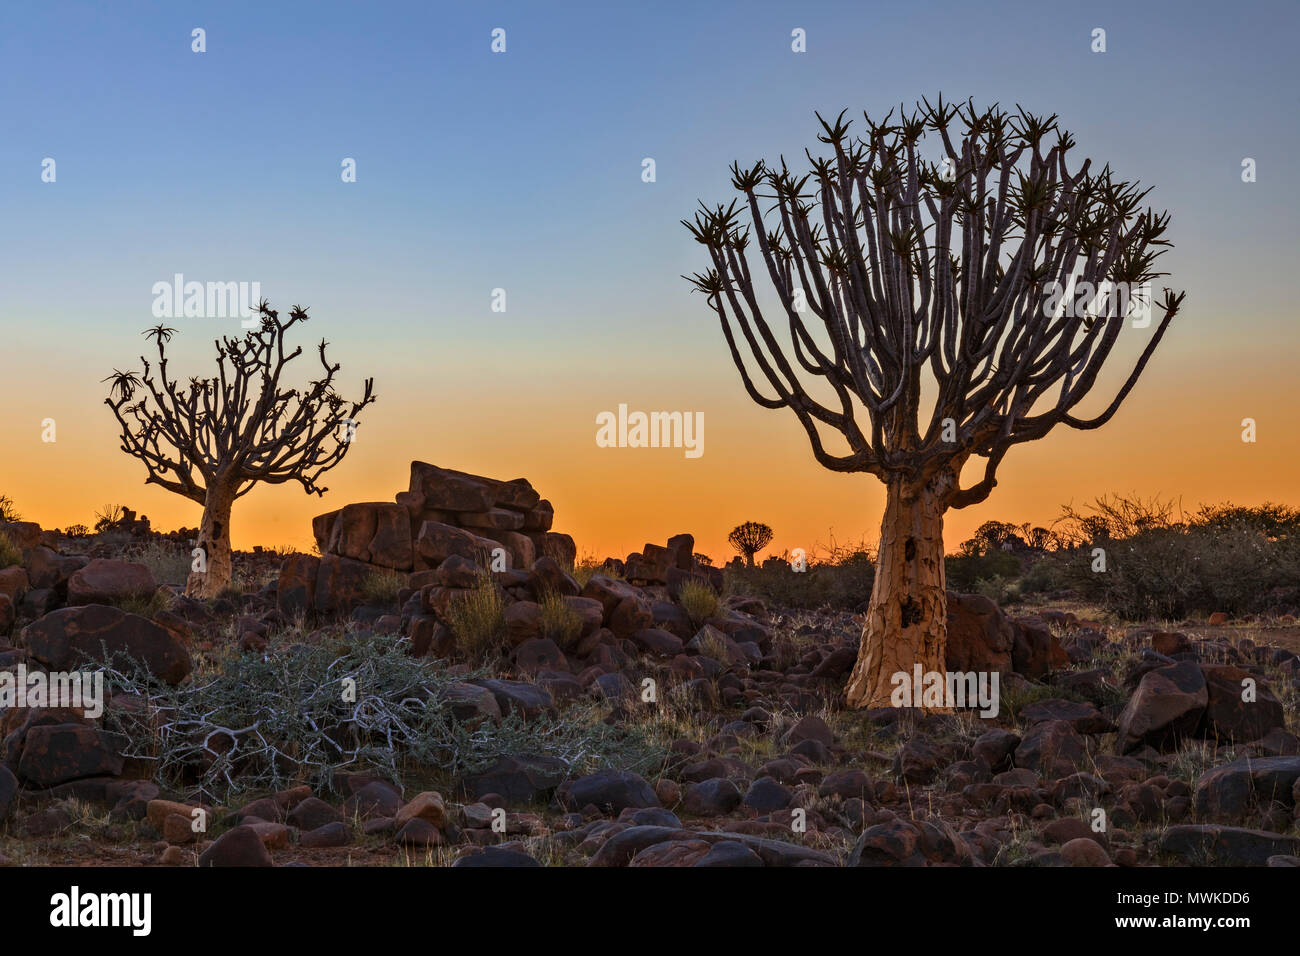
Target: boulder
{"x":105,"y":581}
{"x":56,"y":753}
{"x":980,"y":638}
{"x":63,"y":639}
{"x":340,"y":584}
{"x":1228,"y":717}
{"x":296,"y":587}
{"x":1166,"y":707}
{"x":611,"y":791}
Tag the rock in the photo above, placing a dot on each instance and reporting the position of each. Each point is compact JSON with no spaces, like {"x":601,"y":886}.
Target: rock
{"x":331,"y":834}
{"x":64,"y":639}
{"x":48,"y":569}
{"x":470,"y":702}
{"x":420,"y":833}
{"x":810,"y":728}
{"x":1212,"y":844}
{"x":1035,"y":651}
{"x":518,"y":779}
{"x":497,"y":856}
{"x":559,"y":547}
{"x":1085,"y":718}
{"x":980,"y":638}
{"x":893,"y":843}
{"x":1230,"y":718}
{"x":296,"y":587}
{"x":1052,"y":748}
{"x":1166,"y":708}
{"x":711,"y":798}
{"x":528,"y":700}
{"x":437,"y":542}
{"x":918,"y":760}
{"x":523,"y":622}
{"x":375,"y":799}
{"x":105,"y":581}
{"x":56,"y":753}
{"x":729,"y":853}
{"x":671,"y":853}
{"x":1084,"y":851}
{"x":8,"y":793}
{"x":659,"y":642}
{"x":1230,"y":791}
{"x":612,"y":791}
{"x":240,"y":846}
{"x":340,"y":584}
{"x":995,"y":747}
{"x":428,"y":806}
{"x":766,"y":795}
{"x":312,"y":813}
{"x":619,"y":849}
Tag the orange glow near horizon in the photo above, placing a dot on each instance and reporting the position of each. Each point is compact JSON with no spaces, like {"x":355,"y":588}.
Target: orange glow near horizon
{"x":1178,"y":436}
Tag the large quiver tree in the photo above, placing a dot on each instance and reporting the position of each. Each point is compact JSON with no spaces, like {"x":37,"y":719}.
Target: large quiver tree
{"x":213,"y":439}
{"x":919,"y":271}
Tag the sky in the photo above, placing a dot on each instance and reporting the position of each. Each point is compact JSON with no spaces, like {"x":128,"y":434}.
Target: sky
{"x":522,"y":171}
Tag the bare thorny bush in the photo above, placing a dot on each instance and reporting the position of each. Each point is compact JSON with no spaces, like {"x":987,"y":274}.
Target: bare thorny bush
{"x":271,"y":721}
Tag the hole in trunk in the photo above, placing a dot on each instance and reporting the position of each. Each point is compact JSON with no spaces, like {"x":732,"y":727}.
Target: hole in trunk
{"x":909,"y":549}
{"x":910,"y":612}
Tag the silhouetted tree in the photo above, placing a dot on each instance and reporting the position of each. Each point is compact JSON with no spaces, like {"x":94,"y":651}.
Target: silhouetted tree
{"x":750,"y":538}
{"x":7,"y":510}
{"x":215,"y":439}
{"x":890,"y":270}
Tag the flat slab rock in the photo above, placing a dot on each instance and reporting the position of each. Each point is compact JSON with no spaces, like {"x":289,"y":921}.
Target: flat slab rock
{"x":619,"y":849}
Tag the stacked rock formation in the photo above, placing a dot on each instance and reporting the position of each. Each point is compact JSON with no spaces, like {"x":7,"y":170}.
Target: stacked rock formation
{"x":670,"y":564}
{"x":446,"y":512}
{"x":443,"y":513}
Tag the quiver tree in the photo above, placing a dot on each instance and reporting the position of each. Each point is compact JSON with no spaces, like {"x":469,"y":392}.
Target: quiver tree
{"x":749,"y":539}
{"x":919,"y":272}
{"x":213,"y":439}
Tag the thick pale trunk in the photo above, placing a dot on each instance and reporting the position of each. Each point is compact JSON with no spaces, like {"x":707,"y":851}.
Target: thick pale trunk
{"x":214,"y":542}
{"x":907,"y":618}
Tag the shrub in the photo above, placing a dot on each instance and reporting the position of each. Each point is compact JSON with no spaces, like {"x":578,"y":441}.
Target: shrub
{"x":477,"y":618}
{"x":559,"y":622}
{"x":842,"y":580}
{"x":9,"y":553}
{"x":7,"y":510}
{"x":271,"y":721}
{"x":698,"y":600}
{"x":964,"y":571}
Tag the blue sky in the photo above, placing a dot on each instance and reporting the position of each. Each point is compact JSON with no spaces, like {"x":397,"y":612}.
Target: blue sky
{"x":522,"y":170}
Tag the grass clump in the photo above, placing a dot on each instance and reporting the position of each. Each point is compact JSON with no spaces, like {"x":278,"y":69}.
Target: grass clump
{"x":698,"y":600}
{"x":477,"y":618}
{"x":382,"y":585}
{"x":559,"y":622}
{"x":9,"y":553}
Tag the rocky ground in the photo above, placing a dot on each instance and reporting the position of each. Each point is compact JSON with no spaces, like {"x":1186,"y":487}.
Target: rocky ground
{"x":638,"y":734}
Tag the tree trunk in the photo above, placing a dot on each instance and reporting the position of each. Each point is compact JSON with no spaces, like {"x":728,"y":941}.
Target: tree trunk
{"x":907,"y":618}
{"x":214,"y":542}
{"x":749,"y":556}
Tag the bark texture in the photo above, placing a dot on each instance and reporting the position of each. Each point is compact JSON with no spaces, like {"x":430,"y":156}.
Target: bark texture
{"x":907,"y":618}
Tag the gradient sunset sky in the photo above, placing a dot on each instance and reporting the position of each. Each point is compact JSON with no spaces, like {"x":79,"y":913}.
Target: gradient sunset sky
{"x":522,"y":171}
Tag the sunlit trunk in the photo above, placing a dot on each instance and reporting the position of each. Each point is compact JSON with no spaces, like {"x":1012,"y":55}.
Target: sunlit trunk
{"x":214,"y":543}
{"x":907,"y":620}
